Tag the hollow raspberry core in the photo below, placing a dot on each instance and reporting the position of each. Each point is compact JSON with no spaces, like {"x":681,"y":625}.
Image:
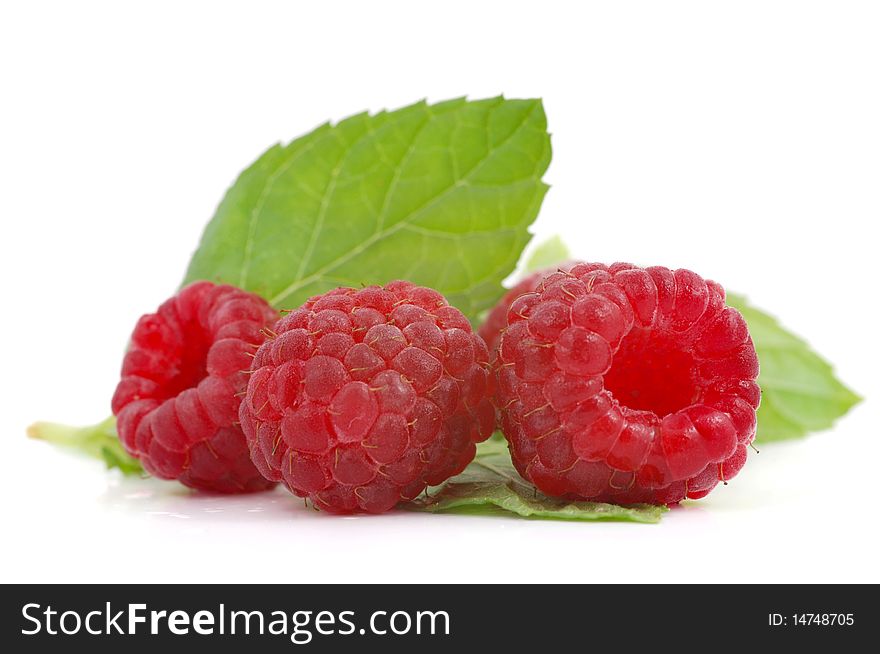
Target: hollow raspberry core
{"x":652,"y":374}
{"x":177,"y":401}
{"x":193,"y":365}
{"x":624,"y":384}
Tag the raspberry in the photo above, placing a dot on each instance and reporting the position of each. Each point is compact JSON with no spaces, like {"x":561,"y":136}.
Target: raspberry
{"x":177,"y":402}
{"x":496,"y":320}
{"x":365,"y":397}
{"x":623,"y":384}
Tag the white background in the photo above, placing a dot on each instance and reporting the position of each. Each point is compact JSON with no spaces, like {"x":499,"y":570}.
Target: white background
{"x":740,"y":139}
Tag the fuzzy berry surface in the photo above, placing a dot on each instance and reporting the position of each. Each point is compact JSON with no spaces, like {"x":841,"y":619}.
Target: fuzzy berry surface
{"x":364,"y":397}
{"x":182,"y":380}
{"x":624,"y":384}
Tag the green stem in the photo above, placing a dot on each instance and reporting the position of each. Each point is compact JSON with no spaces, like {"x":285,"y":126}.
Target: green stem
{"x":98,"y":441}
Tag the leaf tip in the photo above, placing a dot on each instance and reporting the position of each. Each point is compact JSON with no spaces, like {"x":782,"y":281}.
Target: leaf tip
{"x":851,"y":398}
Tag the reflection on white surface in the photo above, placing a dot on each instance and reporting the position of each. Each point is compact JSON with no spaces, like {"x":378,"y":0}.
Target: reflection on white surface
{"x":158,"y":498}
{"x":163,"y":499}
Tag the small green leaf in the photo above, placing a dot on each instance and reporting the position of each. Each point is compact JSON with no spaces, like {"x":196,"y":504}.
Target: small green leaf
{"x":97,"y":441}
{"x":491,"y":486}
{"x":550,"y":253}
{"x":800,"y":393}
{"x":441,"y":195}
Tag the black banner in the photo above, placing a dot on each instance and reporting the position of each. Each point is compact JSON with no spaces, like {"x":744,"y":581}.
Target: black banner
{"x":433,"y":618}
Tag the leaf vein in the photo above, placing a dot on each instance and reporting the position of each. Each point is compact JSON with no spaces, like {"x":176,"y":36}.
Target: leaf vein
{"x":385,"y":232}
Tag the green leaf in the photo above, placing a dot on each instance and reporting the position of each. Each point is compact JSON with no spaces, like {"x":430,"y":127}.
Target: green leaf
{"x":491,"y":486}
{"x":97,"y":441}
{"x":799,"y":390}
{"x":438,"y":194}
{"x":550,"y":253}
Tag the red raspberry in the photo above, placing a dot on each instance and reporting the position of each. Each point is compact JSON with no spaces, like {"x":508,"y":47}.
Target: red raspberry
{"x":177,"y":402}
{"x":496,"y":321}
{"x":365,"y":397}
{"x":623,"y":384}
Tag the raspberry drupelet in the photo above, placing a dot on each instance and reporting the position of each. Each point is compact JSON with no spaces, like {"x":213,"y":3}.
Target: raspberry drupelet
{"x":496,"y":320}
{"x":182,"y":379}
{"x":364,"y":397}
{"x":625,"y":384}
